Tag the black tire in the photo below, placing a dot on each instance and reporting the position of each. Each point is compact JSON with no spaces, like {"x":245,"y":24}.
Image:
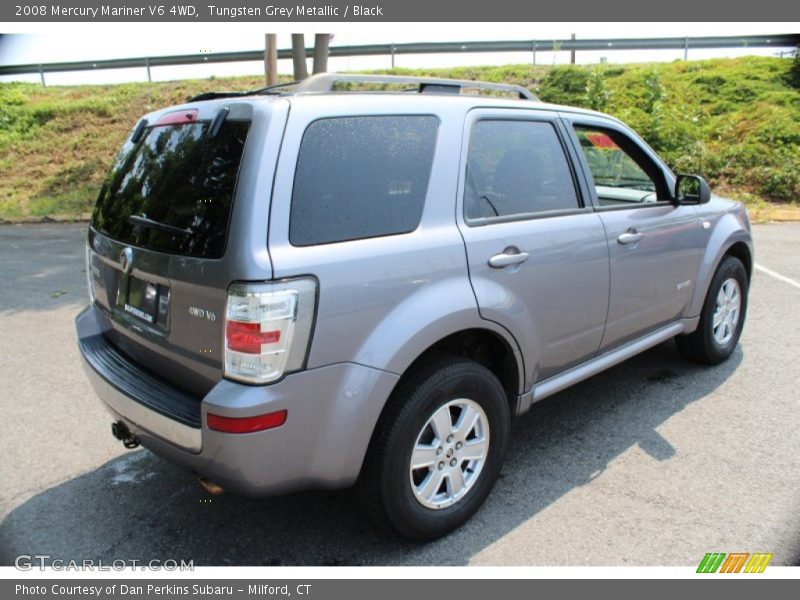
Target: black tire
{"x":701,"y":345}
{"x":384,"y":486}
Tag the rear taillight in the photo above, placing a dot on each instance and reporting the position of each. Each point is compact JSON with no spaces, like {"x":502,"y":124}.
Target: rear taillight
{"x":268,"y":328}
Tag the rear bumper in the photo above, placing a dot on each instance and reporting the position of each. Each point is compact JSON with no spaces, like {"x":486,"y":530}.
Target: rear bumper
{"x":331,"y":413}
{"x":142,"y":398}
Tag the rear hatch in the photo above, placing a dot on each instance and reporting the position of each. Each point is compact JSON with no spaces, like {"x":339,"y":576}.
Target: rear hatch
{"x":158,"y":238}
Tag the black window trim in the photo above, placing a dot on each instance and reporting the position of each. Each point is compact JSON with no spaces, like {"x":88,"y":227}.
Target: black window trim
{"x":356,"y":116}
{"x":552,"y":120}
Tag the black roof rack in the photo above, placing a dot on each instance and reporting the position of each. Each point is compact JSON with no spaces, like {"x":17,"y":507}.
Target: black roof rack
{"x":325,"y":82}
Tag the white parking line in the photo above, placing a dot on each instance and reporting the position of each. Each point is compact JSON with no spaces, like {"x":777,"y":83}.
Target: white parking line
{"x":778,"y":276}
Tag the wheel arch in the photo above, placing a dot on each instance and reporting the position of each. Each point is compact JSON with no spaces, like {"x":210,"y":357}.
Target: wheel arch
{"x":741,"y":251}
{"x":483,"y":344}
{"x":486,"y":347}
{"x":729,"y":238}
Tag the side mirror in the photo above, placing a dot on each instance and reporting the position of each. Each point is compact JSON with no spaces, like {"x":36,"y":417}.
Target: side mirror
{"x":691,"y":189}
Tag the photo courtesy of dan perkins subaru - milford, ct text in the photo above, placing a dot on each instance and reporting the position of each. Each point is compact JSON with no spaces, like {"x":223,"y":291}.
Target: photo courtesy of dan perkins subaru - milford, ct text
{"x":112,"y":589}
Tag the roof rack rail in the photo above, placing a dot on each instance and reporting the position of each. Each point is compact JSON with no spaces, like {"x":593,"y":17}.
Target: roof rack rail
{"x":325,"y":82}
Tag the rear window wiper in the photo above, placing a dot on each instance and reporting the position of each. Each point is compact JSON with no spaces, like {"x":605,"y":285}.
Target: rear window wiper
{"x":151,"y":224}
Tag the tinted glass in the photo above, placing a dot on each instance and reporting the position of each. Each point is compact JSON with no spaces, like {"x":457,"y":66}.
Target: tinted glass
{"x":618,"y":177}
{"x":173,"y":191}
{"x":516,"y":168}
{"x":360,"y":177}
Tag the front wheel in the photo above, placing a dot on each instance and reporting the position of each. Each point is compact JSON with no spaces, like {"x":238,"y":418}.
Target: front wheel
{"x":722,"y":317}
{"x":437,"y":450}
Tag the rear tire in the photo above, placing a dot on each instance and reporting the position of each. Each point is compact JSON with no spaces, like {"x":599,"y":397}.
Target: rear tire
{"x":722,"y":316}
{"x":450,"y":419}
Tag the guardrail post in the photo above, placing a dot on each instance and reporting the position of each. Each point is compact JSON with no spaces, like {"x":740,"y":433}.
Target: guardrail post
{"x":686,"y":49}
{"x":533,"y":49}
{"x":392,"y":49}
{"x":41,"y":75}
{"x":147,"y":65}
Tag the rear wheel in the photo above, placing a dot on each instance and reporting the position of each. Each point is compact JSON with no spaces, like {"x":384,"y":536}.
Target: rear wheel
{"x":722,"y":317}
{"x":437,"y":450}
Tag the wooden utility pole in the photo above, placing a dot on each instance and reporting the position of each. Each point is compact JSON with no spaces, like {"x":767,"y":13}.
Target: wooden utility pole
{"x":270,"y":59}
{"x":572,"y":52}
{"x":321,"y":43}
{"x":299,"y":56}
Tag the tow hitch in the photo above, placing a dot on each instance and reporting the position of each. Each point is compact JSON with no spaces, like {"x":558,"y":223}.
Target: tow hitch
{"x":120,"y":431}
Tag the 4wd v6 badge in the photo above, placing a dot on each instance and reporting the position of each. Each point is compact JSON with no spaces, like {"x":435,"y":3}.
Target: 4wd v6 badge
{"x":202,"y":313}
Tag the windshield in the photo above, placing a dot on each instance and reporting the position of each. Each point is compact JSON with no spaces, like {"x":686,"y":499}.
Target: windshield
{"x":173,"y":190}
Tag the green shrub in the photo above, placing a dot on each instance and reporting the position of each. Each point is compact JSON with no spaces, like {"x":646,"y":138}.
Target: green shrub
{"x":565,"y":85}
{"x":792,"y":76}
{"x":598,"y":96}
{"x":779,"y":184}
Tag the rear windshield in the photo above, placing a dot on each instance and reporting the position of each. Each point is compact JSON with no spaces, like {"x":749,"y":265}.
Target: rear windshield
{"x":173,"y":190}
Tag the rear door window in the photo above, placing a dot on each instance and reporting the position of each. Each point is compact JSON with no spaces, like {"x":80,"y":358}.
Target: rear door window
{"x":361,"y":177}
{"x":173,"y":190}
{"x":516,"y":169}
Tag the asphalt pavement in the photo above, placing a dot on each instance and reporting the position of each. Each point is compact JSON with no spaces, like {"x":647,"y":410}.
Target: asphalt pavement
{"x":654,"y":462}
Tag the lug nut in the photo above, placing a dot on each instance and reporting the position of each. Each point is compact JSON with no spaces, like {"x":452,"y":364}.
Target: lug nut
{"x":449,"y":438}
{"x":441,"y":466}
{"x":438,"y":451}
{"x":453,"y":463}
{"x":459,"y":445}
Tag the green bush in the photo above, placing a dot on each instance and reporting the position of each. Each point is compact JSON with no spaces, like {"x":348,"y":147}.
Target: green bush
{"x":565,"y":85}
{"x":778,"y":183}
{"x":598,"y":96}
{"x":792,"y":76}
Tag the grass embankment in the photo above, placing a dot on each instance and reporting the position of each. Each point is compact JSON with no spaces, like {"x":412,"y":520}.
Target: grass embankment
{"x":736,"y":121}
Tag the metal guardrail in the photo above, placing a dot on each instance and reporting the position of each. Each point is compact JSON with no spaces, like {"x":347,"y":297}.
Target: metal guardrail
{"x":669,"y":43}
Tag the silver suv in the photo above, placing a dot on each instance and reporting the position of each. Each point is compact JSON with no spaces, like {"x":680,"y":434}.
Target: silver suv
{"x":301,"y":288}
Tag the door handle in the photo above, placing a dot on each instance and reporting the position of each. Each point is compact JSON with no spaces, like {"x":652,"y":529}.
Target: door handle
{"x":630,"y":237}
{"x":506,"y":259}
